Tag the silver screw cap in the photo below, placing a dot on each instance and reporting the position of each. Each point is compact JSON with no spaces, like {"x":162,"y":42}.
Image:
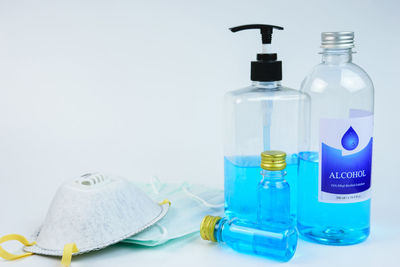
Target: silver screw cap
{"x":337,"y":39}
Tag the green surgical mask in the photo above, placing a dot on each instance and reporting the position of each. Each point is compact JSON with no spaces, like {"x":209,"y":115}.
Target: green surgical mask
{"x":189,"y":204}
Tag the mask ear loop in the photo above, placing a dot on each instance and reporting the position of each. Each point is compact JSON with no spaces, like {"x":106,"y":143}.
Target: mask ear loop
{"x":164,"y":234}
{"x":156,"y":185}
{"x":69,"y":249}
{"x":204,"y":202}
{"x":14,"y":237}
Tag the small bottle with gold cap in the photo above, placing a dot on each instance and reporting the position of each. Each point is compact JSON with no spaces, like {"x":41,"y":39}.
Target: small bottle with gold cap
{"x":276,"y":241}
{"x":273,"y":192}
{"x":274,"y":233}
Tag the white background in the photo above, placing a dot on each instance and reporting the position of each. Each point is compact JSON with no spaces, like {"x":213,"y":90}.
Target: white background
{"x":135,"y":88}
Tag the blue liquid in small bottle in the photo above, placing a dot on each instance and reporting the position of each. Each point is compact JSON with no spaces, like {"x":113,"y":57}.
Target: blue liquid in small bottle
{"x":328,"y":223}
{"x":275,"y":241}
{"x":242,"y":176}
{"x":273,"y":198}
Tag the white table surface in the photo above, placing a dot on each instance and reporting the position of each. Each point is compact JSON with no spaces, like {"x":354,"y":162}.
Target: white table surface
{"x":23,"y":212}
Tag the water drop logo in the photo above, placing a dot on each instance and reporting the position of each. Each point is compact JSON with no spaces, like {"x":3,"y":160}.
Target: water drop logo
{"x":350,"y":139}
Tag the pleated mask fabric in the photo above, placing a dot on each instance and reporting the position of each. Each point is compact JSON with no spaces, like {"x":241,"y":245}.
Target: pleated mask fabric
{"x":190,"y":203}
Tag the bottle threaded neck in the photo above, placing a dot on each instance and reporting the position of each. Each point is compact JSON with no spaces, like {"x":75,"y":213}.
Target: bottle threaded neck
{"x":273,"y":160}
{"x":207,"y":227}
{"x":337,"y":40}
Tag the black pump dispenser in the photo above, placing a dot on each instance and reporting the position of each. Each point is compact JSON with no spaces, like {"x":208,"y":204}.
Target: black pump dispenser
{"x":267,"y":68}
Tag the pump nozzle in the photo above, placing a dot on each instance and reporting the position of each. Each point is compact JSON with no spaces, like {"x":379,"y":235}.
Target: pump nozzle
{"x":267,"y":67}
{"x":265,"y":30}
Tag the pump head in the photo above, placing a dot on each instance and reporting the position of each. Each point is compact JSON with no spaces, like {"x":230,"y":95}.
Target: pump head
{"x":265,"y":30}
{"x":267,"y":67}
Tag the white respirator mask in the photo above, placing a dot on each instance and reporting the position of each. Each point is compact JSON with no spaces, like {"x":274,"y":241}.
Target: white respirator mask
{"x":91,"y":213}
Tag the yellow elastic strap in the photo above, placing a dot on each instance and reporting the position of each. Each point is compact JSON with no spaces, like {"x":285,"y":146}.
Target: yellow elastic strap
{"x":69,"y":249}
{"x":14,"y":237}
{"x":165,"y":201}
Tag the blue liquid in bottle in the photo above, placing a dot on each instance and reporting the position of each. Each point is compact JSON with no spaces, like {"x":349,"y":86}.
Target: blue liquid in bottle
{"x":328,"y":223}
{"x":275,"y":241}
{"x":242,"y":176}
{"x":273,"y":198}
{"x":336,"y":152}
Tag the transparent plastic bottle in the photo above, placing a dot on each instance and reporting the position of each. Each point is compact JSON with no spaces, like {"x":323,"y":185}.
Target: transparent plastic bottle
{"x":275,"y":241}
{"x":260,"y":117}
{"x":273,"y":190}
{"x":335,"y":162}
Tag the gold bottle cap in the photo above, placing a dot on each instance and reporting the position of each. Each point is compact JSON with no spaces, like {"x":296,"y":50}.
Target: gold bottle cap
{"x":207,"y":227}
{"x":273,"y":160}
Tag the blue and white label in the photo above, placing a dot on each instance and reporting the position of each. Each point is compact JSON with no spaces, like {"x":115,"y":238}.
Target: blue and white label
{"x":345,"y":158}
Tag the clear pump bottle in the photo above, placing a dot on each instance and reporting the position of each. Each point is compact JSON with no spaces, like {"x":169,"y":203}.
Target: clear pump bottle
{"x":335,"y":162}
{"x":263,"y":116}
